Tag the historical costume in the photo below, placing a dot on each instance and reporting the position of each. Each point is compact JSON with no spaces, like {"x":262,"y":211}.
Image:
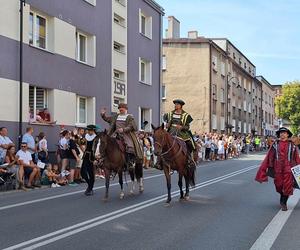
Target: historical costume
{"x":178,"y":124}
{"x":87,"y":169}
{"x":281,"y":157}
{"x":123,"y":126}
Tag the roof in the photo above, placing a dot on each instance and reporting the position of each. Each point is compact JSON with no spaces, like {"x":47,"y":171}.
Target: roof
{"x":193,"y":41}
{"x":261,"y":78}
{"x":156,"y":6}
{"x":235,"y":48}
{"x":186,"y":40}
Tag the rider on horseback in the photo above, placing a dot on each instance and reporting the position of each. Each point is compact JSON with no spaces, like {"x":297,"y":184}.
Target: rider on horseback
{"x":123,"y":126}
{"x":178,"y":124}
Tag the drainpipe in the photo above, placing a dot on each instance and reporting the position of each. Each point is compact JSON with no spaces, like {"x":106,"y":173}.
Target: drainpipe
{"x":210,"y":88}
{"x":22,"y":4}
{"x":160,"y":70}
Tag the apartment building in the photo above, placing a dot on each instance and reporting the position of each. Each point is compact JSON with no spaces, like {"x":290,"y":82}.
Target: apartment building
{"x":269,"y":120}
{"x":215,"y":79}
{"x":79,"y":56}
{"x":241,"y":90}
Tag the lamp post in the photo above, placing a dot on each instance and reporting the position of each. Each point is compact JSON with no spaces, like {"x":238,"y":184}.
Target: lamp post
{"x":229,"y":79}
{"x":22,"y":4}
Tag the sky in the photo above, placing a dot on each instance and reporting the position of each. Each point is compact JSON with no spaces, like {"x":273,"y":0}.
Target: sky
{"x":267,"y":32}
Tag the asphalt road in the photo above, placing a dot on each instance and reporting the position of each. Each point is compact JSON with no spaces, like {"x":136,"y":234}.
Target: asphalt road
{"x":227,"y":210}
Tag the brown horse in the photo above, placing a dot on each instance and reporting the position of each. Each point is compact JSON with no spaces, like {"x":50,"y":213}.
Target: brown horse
{"x":114,"y":162}
{"x":174,"y":156}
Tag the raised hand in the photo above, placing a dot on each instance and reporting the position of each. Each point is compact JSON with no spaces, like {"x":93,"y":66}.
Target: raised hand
{"x":103,"y":111}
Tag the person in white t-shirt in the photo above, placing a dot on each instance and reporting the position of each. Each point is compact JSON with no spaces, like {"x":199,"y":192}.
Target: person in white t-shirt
{"x":5,"y":143}
{"x":25,"y":160}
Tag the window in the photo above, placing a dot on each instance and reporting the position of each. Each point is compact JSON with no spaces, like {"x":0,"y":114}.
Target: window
{"x":145,"y":74}
{"x":119,"y":20}
{"x":223,"y":69}
{"x":223,"y":109}
{"x":214,"y":107}
{"x":214,"y":92}
{"x":145,"y":118}
{"x":164,"y":62}
{"x":215,"y":63}
{"x":38,"y":100}
{"x":222,"y":95}
{"x":119,"y":75}
{"x":81,"y":44}
{"x":145,"y":25}
{"x":116,"y":103}
{"x":119,"y":47}
{"x":122,"y":2}
{"x":92,"y":2}
{"x":163,"y":92}
{"x":81,"y":110}
{"x":37,"y":31}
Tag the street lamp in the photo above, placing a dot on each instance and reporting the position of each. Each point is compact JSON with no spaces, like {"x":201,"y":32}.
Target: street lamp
{"x":229,"y":79}
{"x":22,"y":4}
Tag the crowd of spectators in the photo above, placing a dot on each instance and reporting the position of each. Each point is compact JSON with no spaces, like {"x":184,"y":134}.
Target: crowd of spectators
{"x":32,"y":166}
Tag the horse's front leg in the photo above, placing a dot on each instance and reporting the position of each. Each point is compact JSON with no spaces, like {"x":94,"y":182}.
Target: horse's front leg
{"x":180,"y":185}
{"x":187,"y":187}
{"x":132,"y":183}
{"x":107,"y":179}
{"x":121,"y":184}
{"x":168,"y":179}
{"x":139,"y":176}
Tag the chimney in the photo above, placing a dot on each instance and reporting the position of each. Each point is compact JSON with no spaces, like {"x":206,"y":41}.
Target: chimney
{"x":193,"y":34}
{"x":173,"y":30}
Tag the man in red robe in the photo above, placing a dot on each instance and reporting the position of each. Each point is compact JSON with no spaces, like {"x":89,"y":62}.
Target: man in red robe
{"x":281,"y":157}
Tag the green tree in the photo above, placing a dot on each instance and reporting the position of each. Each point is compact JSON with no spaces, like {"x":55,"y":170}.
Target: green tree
{"x":287,"y":106}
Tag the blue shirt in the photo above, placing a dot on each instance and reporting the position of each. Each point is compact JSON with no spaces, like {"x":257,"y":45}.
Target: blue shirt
{"x":30,"y":142}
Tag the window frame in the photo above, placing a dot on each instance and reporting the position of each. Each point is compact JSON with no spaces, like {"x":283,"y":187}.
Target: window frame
{"x":163,"y":92}
{"x":78,"y":34}
{"x":78,"y":123}
{"x":34,"y":29}
{"x":148,"y":25}
{"x":91,"y":2}
{"x":45,"y":102}
{"x":121,"y":46}
{"x":148,"y":78}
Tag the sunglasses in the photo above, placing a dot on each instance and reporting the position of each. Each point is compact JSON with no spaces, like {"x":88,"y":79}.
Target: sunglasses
{"x":23,"y":146}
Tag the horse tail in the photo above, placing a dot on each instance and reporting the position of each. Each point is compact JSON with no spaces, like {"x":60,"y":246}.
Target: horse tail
{"x":191,"y":175}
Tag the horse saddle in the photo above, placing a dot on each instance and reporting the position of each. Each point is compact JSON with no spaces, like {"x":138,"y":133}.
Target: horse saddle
{"x":182,"y":144}
{"x":122,"y":145}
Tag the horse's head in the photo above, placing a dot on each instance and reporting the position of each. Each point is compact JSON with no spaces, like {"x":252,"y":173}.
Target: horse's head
{"x":103,"y":137}
{"x":160,"y":139}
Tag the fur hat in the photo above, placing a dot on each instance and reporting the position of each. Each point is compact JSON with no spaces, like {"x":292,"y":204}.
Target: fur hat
{"x":179,"y":101}
{"x":283,"y":129}
{"x":123,"y":105}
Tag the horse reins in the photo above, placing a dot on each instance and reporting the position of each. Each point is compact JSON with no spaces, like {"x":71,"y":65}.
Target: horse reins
{"x":169,"y":150}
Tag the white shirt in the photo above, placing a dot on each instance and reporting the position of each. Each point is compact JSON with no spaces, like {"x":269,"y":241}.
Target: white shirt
{"x":43,"y":145}
{"x":24,"y":156}
{"x":4,"y":140}
{"x":63,"y":143}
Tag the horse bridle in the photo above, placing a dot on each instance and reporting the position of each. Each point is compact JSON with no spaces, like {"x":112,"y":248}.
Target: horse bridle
{"x":169,"y":150}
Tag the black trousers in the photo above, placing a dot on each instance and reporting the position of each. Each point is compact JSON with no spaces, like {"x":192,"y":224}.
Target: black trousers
{"x":207,"y":153}
{"x":88,"y":174}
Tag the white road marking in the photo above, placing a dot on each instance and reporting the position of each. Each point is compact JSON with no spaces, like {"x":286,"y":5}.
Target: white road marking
{"x":77,"y":228}
{"x":80,"y":191}
{"x":269,"y":235}
{"x":65,"y":194}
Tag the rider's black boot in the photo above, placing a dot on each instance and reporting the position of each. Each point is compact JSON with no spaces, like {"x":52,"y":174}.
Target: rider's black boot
{"x":191,"y":162}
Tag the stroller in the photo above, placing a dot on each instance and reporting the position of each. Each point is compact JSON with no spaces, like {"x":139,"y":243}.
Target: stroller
{"x":8,"y":181}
